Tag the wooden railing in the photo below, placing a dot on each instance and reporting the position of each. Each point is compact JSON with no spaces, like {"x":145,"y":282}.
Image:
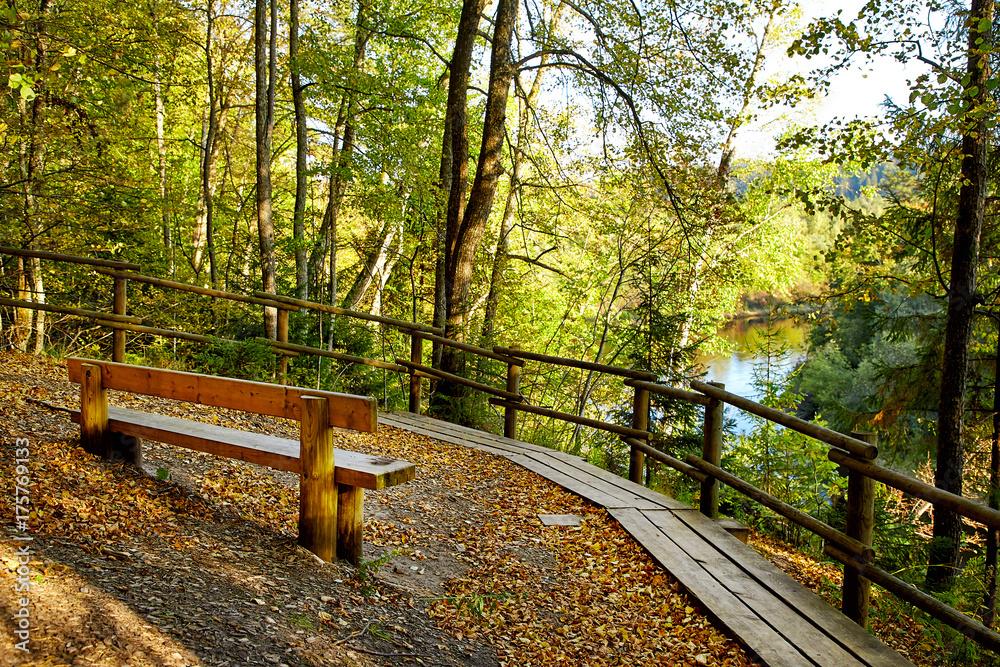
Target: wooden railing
{"x":857,"y":452}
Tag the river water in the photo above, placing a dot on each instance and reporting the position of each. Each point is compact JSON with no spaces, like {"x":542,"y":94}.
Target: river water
{"x":736,"y":368}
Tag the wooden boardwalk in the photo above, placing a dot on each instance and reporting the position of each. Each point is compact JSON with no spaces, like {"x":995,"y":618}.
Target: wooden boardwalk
{"x":774,"y":616}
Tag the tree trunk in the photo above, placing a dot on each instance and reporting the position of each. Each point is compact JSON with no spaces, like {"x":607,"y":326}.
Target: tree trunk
{"x":340,"y":161}
{"x":37,"y":150}
{"x":301,"y":152}
{"x":264,"y":121}
{"x":20,"y":331}
{"x":943,"y":559}
{"x":454,"y":174}
{"x":326,"y":239}
{"x":989,"y":607}
{"x":507,"y":222}
{"x":161,"y":149}
{"x":465,"y":228}
{"x":384,"y":270}
{"x":440,"y":232}
{"x":373,"y":265}
{"x":204,"y":228}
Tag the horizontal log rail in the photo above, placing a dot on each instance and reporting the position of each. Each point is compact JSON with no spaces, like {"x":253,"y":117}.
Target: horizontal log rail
{"x":326,"y":308}
{"x":340,"y":356}
{"x":853,"y":445}
{"x":671,"y":392}
{"x":480,"y":351}
{"x":173,"y":333}
{"x":196,"y":289}
{"x":669,"y":460}
{"x":79,"y":312}
{"x":914,"y":487}
{"x":575,"y":363}
{"x":575,"y":419}
{"x":458,"y":379}
{"x":73,"y":259}
{"x":968,"y":626}
{"x":795,"y":515}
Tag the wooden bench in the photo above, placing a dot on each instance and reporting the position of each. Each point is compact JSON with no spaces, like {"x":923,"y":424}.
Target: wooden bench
{"x":331,"y":482}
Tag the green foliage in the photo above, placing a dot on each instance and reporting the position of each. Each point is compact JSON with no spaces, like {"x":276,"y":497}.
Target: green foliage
{"x":245,"y":360}
{"x":475,"y":603}
{"x":367,"y":572}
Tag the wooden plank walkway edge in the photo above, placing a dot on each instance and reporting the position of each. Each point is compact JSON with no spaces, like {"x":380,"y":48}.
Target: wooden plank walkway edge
{"x":772,"y":615}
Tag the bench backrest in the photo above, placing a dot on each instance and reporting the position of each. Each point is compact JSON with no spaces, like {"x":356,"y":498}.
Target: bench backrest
{"x":346,"y":410}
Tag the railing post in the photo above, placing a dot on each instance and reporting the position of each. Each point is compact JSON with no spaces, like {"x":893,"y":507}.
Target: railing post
{"x":513,"y":386}
{"x":283,"y":338}
{"x":711,"y":451}
{"x":640,"y":420}
{"x":860,"y":526}
{"x":120,"y":305}
{"x":416,"y":357}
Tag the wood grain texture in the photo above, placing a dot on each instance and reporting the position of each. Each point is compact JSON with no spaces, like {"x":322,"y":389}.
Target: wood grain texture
{"x":726,"y":608}
{"x":867,"y":648}
{"x":350,"y":522}
{"x":317,"y":488}
{"x":59,"y":257}
{"x":206,"y":291}
{"x":711,"y":451}
{"x":860,"y":525}
{"x":821,"y":433}
{"x":94,"y":433}
{"x":772,"y":609}
{"x":353,"y":468}
{"x":346,"y":411}
{"x":416,"y":357}
{"x":572,"y":418}
{"x":120,"y":306}
{"x":571,"y":466}
{"x":640,"y":422}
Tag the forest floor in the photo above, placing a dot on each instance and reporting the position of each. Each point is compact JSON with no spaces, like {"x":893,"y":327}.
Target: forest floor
{"x":192,"y":559}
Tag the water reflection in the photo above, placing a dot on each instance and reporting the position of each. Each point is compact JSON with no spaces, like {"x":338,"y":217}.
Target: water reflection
{"x":735,"y":369}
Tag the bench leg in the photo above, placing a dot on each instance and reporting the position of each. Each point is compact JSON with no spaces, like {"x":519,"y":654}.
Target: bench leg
{"x":126,"y":448}
{"x":317,"y":485}
{"x":350,"y":519}
{"x":94,"y":434}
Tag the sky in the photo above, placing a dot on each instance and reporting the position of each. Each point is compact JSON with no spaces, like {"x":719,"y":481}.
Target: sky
{"x":857,"y":92}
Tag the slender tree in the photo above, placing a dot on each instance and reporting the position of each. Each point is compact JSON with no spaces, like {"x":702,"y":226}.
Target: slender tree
{"x":962,"y":295}
{"x":301,"y":153}
{"x":264,"y":64}
{"x":466,"y":224}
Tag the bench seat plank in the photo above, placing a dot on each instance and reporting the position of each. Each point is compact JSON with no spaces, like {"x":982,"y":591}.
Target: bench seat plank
{"x":346,"y":411}
{"x":353,"y":469}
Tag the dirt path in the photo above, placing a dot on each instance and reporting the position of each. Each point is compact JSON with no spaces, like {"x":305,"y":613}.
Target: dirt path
{"x":193,"y":561}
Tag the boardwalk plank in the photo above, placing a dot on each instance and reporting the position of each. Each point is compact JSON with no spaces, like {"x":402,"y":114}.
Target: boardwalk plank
{"x":431,"y":422}
{"x":864,"y":646}
{"x":727,"y":609}
{"x":628,"y":486}
{"x":495,"y":448}
{"x":581,"y":488}
{"x":820,"y":648}
{"x":448,"y":432}
{"x":577,"y":476}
